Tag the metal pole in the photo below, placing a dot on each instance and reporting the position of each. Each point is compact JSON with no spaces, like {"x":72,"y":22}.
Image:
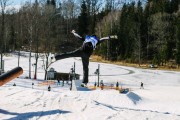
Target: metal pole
{"x":1,"y":60}
{"x":74,"y":67}
{"x":30,"y":62}
{"x":98,"y":73}
{"x":18,"y":57}
{"x":74,"y":71}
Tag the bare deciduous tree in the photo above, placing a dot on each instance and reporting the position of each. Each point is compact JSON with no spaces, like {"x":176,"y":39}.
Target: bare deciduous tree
{"x":3,"y":5}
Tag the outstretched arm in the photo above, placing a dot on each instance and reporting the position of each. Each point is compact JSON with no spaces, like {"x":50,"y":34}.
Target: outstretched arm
{"x":77,"y":35}
{"x":107,"y":38}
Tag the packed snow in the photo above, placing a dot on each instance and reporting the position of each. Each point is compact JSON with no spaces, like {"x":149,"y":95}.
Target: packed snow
{"x":159,"y":100}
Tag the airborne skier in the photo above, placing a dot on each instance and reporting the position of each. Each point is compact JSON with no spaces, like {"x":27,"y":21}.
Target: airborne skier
{"x":85,"y":51}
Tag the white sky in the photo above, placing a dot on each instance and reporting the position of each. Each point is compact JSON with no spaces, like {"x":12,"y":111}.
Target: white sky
{"x":15,"y":4}
{"x":18,"y":2}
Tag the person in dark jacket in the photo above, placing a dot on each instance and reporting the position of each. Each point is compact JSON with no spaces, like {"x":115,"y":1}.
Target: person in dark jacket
{"x":85,"y":51}
{"x":142,"y":85}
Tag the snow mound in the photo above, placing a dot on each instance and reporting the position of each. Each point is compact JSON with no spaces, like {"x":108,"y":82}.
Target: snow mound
{"x":134,"y":97}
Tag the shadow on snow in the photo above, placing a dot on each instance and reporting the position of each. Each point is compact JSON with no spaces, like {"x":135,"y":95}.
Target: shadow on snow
{"x":28,"y":115}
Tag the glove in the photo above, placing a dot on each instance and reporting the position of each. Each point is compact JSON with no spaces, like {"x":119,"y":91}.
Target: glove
{"x":113,"y":36}
{"x":73,"y":31}
{"x":53,"y":59}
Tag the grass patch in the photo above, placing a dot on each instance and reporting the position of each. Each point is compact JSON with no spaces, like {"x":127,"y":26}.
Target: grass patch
{"x":168,"y":66}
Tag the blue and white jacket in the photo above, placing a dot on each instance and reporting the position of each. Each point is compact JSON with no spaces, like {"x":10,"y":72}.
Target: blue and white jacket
{"x":93,"y":39}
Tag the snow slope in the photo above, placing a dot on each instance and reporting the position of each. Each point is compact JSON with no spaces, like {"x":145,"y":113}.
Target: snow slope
{"x":159,"y":100}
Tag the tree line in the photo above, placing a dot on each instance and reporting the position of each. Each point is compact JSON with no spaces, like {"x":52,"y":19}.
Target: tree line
{"x":148,"y":33}
{"x":148,"y":30}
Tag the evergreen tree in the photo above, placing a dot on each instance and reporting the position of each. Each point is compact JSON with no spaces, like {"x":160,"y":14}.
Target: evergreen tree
{"x":170,"y":36}
{"x":130,"y":31}
{"x":122,"y":31}
{"x":53,"y":3}
{"x":175,"y":5}
{"x":145,"y":29}
{"x":83,"y":20}
{"x":12,"y":41}
{"x":48,"y":2}
{"x":138,"y":32}
{"x":127,"y":28}
{"x":162,"y":37}
{"x":158,"y":6}
{"x":168,"y":7}
{"x":36,"y":2}
{"x":178,"y":41}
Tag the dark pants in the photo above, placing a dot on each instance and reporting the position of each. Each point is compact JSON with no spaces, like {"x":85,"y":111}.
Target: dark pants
{"x":85,"y":60}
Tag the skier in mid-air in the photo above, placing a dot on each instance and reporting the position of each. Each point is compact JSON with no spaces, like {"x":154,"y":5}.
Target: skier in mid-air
{"x":85,"y":51}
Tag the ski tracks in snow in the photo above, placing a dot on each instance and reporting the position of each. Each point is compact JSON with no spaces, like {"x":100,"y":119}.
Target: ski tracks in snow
{"x":37,"y":97}
{"x":74,"y":104}
{"x":50,"y":107}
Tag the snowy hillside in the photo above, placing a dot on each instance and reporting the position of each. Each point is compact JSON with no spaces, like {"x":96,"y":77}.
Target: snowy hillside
{"x":159,"y":100}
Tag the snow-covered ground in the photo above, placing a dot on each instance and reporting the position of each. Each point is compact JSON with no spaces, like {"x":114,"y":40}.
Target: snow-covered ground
{"x":159,"y":100}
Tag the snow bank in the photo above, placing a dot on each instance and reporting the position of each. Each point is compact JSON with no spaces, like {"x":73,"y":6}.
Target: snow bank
{"x":159,"y":100}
